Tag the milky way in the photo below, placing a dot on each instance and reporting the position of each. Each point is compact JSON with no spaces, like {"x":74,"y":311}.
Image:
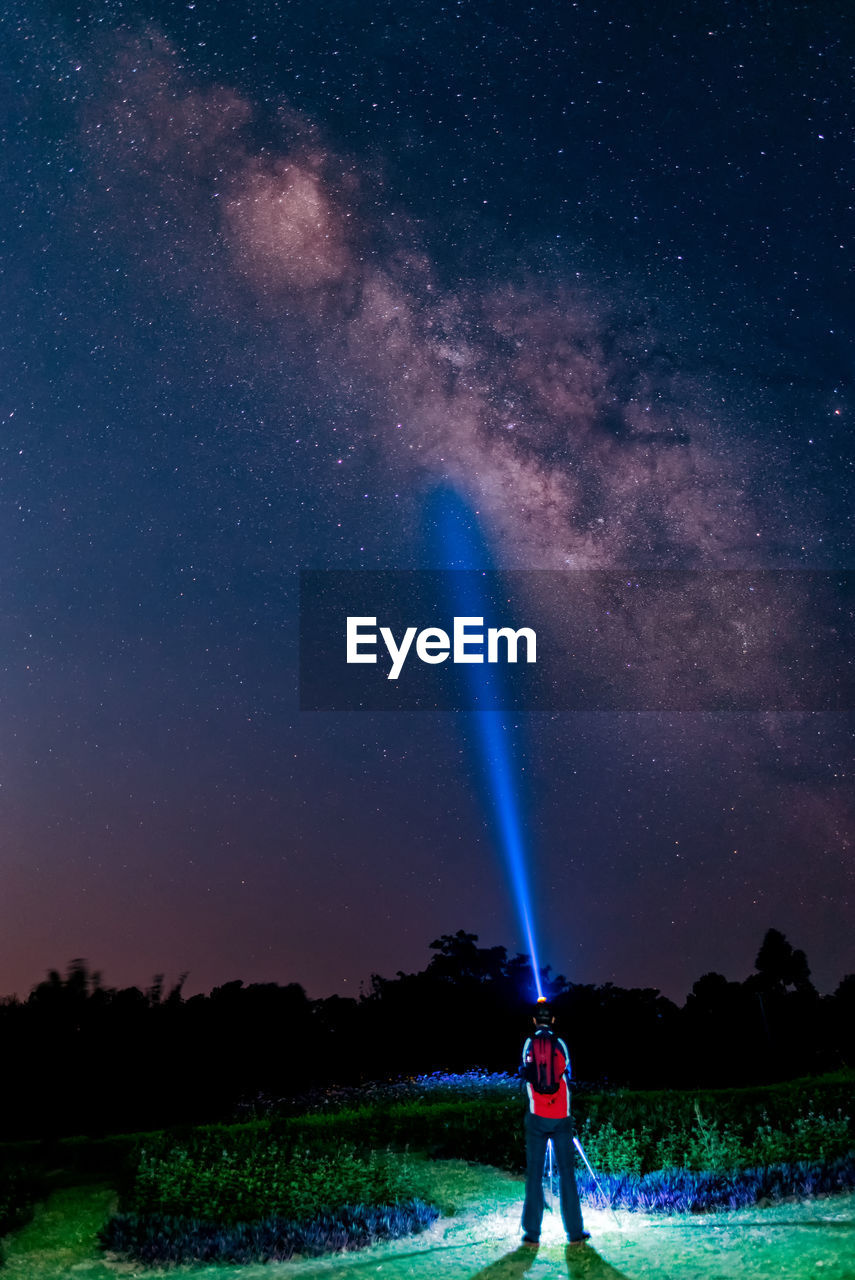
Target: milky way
{"x":579,"y":440}
{"x":569,"y":426}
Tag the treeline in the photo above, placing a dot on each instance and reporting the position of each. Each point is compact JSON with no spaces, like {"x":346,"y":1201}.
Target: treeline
{"x":80,"y":1057}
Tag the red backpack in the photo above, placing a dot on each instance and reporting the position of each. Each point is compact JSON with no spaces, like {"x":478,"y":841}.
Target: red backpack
{"x":547,"y":1064}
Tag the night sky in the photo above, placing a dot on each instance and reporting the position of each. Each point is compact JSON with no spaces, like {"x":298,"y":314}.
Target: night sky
{"x":272,"y":273}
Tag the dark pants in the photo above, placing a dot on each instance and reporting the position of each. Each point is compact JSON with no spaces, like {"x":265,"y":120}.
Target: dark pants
{"x":538,"y":1131}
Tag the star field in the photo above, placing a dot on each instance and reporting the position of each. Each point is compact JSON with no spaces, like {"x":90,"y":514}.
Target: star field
{"x":270,"y":275}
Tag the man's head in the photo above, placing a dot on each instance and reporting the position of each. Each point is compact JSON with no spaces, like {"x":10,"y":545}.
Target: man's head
{"x":543,"y":1015}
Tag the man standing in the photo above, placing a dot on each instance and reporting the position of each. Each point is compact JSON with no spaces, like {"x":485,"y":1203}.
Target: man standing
{"x":546,"y":1070}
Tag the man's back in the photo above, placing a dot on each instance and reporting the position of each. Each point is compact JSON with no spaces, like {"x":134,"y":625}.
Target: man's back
{"x":555,"y":1104}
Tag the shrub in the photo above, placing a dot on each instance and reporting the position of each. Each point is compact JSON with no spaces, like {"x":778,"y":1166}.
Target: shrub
{"x":809,"y":1137}
{"x":247,"y":1196}
{"x":613,"y":1150}
{"x":157,"y":1238}
{"x":478,"y":1117}
{"x":688,"y":1191}
{"x":666,"y":1152}
{"x":237,"y":1183}
{"x":714,"y":1145}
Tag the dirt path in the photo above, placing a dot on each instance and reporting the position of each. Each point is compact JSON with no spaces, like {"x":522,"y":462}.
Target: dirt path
{"x":786,"y":1242}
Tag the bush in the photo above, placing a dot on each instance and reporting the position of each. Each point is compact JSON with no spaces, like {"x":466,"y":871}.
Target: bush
{"x":614,"y":1151}
{"x":273,"y":1187}
{"x":244,"y":1195}
{"x":779,"y":1107}
{"x":236,"y":1183}
{"x":809,"y":1137}
{"x":478,"y":1117}
{"x":715,"y":1145}
{"x":688,"y":1191}
{"x":157,"y":1238}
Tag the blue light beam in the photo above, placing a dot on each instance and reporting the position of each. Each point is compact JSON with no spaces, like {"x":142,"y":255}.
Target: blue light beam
{"x":498,"y":767}
{"x":463,"y":548}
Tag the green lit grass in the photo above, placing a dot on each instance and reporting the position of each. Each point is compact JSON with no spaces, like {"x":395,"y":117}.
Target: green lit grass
{"x":455,"y":1186}
{"x":61,"y":1240}
{"x":786,"y":1242}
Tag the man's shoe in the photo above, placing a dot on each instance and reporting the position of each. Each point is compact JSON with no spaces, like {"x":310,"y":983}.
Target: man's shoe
{"x":531,"y":1241}
{"x":586,"y":1235}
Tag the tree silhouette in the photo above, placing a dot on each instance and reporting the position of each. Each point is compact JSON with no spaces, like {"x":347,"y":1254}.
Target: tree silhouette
{"x":83,"y":1057}
{"x":779,"y":966}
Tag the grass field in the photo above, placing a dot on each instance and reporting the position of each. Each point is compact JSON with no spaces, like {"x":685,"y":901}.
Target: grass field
{"x":480,"y":1242}
{"x":62,"y":1240}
